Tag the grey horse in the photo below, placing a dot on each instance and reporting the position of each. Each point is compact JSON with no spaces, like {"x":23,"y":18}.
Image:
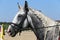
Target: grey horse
{"x":29,"y":18}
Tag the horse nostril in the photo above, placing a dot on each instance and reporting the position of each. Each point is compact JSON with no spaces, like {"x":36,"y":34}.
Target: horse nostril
{"x":8,"y":31}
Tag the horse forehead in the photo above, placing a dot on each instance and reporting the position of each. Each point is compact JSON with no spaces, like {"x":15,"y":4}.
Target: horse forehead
{"x":20,"y":12}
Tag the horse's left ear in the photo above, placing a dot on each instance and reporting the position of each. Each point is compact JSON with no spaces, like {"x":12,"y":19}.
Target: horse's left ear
{"x":18,"y":5}
{"x":26,"y":7}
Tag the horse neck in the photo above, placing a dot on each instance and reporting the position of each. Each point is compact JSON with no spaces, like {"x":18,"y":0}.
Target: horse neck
{"x":35,"y":24}
{"x":46,"y":20}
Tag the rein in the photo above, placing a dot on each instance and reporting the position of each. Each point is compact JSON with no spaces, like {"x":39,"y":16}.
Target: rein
{"x":36,"y":28}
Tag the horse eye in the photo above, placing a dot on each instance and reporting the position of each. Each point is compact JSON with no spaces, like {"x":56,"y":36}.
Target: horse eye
{"x":19,"y":16}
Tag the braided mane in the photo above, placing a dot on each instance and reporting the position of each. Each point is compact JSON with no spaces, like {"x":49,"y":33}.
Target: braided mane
{"x":46,"y":20}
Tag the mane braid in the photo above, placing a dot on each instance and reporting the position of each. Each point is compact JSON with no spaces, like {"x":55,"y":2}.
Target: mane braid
{"x":37,"y":16}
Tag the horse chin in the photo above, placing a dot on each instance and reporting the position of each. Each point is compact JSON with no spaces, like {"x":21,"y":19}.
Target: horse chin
{"x":12,"y":34}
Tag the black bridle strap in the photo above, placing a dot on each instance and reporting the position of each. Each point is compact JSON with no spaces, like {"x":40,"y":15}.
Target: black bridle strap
{"x":39,"y":27}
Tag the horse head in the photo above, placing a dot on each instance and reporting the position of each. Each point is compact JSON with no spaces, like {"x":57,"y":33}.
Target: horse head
{"x":25,"y":17}
{"x":18,"y":21}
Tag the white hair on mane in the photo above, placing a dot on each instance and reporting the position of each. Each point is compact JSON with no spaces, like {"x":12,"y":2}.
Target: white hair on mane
{"x":46,"y":20}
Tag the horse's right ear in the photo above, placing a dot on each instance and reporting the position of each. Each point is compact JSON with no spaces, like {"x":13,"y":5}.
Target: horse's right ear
{"x":26,"y":6}
{"x":18,"y":5}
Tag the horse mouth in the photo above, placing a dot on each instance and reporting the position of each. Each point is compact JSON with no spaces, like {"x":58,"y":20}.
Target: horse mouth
{"x":12,"y":34}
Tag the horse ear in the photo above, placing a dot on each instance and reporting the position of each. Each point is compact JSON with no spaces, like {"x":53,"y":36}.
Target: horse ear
{"x":18,"y":5}
{"x":26,"y":7}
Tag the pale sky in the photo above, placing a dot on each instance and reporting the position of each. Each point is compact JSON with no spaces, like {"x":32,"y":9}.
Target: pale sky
{"x":9,"y":8}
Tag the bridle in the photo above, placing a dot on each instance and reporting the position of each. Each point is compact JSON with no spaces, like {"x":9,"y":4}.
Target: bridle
{"x":19,"y":26}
